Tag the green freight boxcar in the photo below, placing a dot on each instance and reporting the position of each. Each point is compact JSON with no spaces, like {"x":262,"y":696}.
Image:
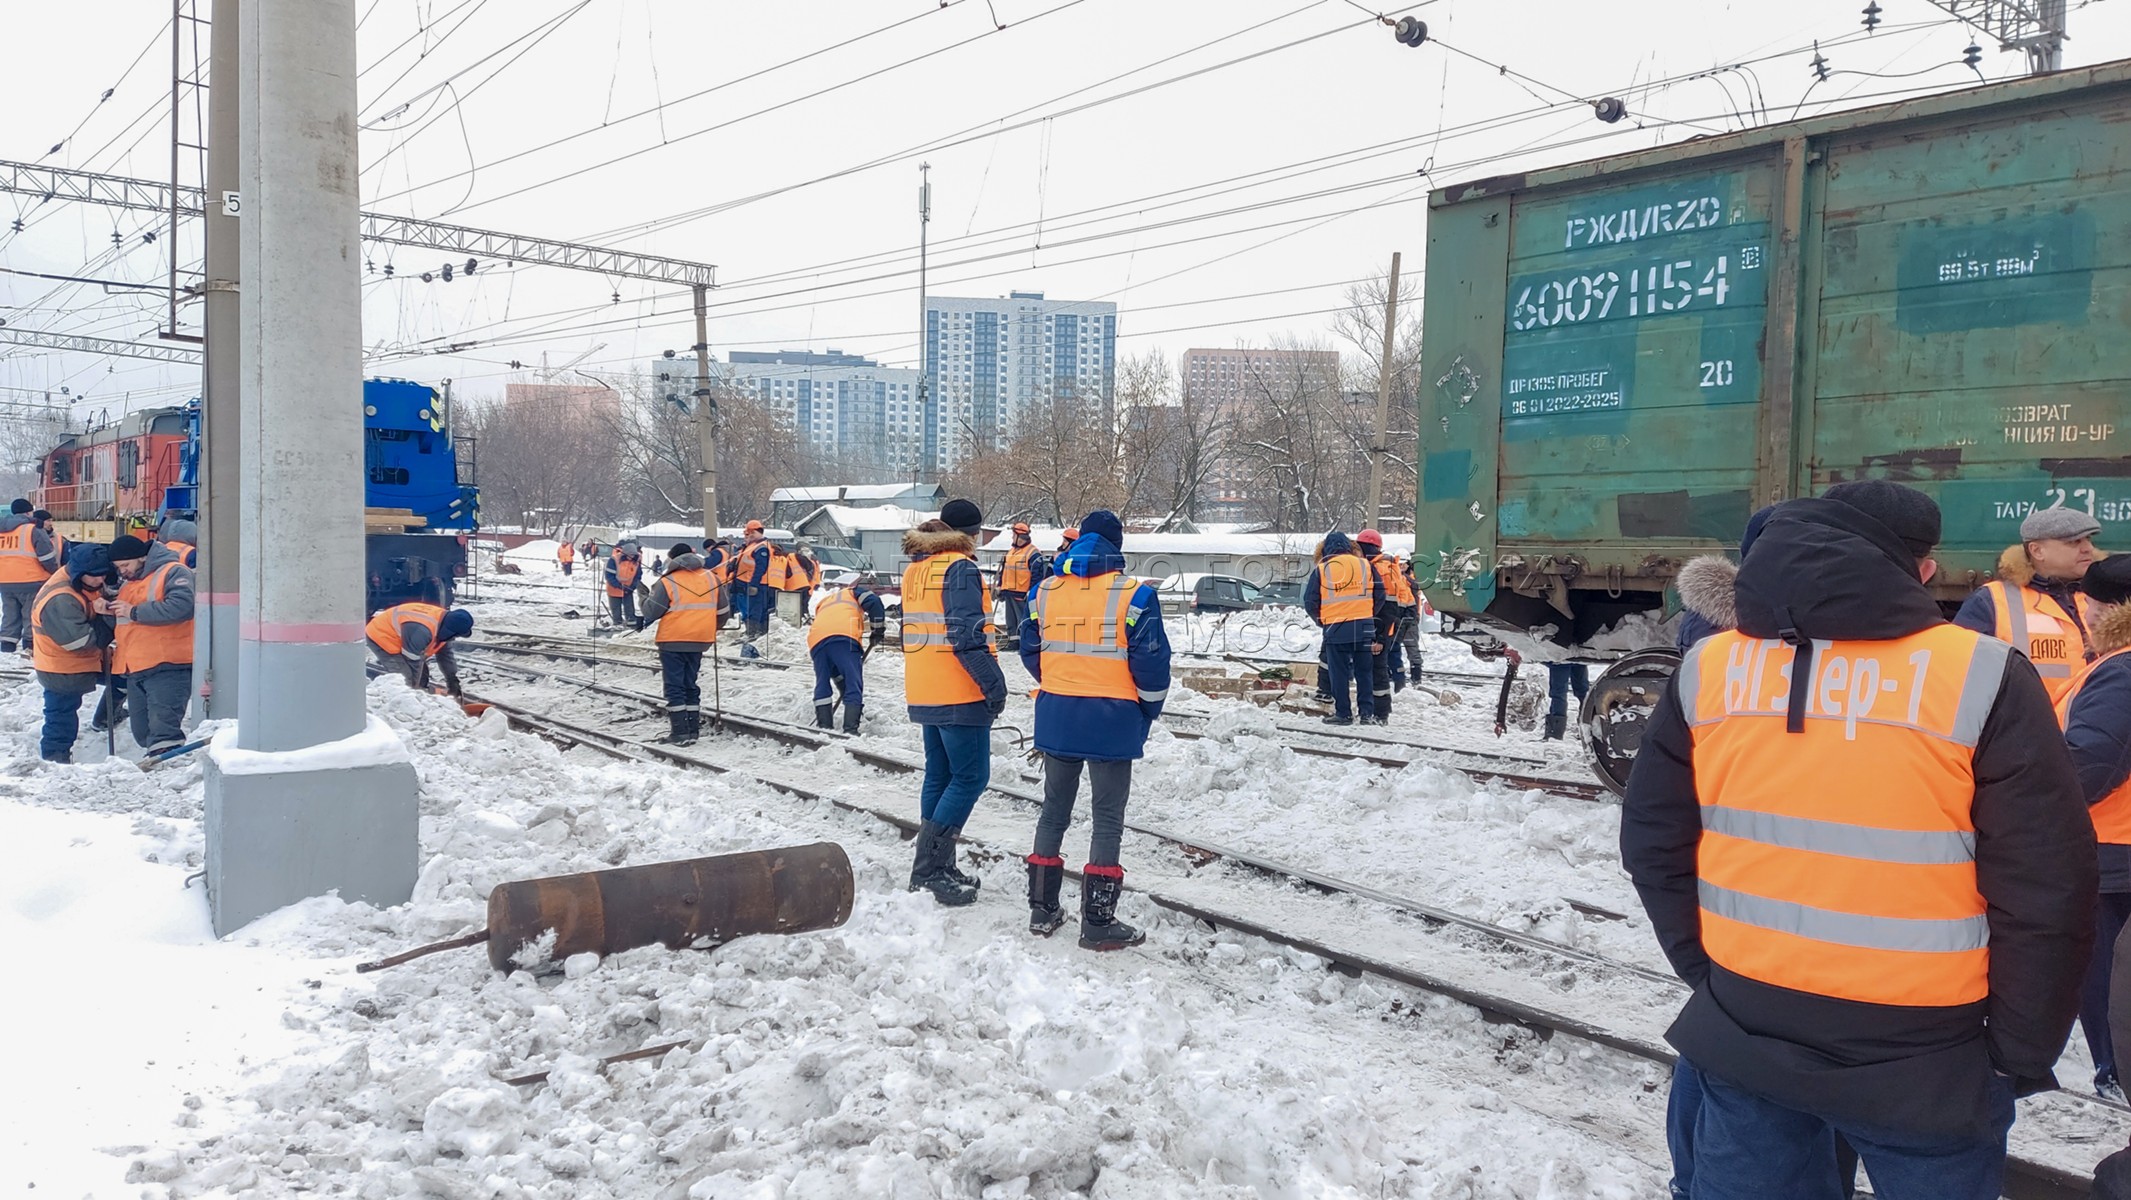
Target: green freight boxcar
{"x":1625,"y":357}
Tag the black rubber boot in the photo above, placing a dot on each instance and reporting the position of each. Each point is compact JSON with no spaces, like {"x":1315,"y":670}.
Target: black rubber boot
{"x":677,"y":734}
{"x":1557,"y":724}
{"x":1382,"y":715}
{"x":852,"y":712}
{"x":1045,"y":877}
{"x":935,"y":848}
{"x":1099,"y":927}
{"x":822,"y":709}
{"x":948,"y":864}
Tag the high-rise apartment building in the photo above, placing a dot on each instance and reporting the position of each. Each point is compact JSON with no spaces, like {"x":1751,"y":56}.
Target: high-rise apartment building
{"x":843,"y":405}
{"x":1236,"y":379}
{"x":987,"y":362}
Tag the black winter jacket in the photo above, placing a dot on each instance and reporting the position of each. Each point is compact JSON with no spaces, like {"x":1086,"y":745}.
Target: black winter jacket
{"x":1829,"y":571}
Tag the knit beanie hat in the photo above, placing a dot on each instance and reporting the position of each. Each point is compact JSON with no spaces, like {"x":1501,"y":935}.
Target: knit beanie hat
{"x":1909,"y":514}
{"x":964,"y":516}
{"x":1104,"y":523}
{"x":126,"y":547}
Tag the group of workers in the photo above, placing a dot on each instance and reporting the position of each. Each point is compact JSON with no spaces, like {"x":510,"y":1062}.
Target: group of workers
{"x":117,"y":615}
{"x":1890,"y":854}
{"x":1366,"y":602}
{"x":752,"y":574}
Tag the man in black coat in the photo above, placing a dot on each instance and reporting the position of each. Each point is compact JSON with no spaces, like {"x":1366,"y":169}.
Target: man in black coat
{"x":1923,"y":1089}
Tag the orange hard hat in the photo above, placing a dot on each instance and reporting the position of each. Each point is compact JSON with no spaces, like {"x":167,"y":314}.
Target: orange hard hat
{"x":1021,"y":527}
{"x":1072,"y":533}
{"x":1370,"y":537}
{"x":754,"y":527}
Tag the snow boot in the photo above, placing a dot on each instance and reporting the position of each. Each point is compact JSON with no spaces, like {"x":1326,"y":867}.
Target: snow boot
{"x":1045,"y":877}
{"x":1557,"y":724}
{"x":852,"y":712}
{"x":1099,"y":927}
{"x":928,"y":870}
{"x":1338,"y":720}
{"x":948,"y":865}
{"x":822,"y":711}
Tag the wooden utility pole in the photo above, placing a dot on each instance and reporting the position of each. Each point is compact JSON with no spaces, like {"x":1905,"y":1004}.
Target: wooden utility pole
{"x":1382,"y":446}
{"x":706,"y":418}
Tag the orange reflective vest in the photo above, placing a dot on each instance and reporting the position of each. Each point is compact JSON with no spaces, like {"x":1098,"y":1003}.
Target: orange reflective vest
{"x":798,"y":574}
{"x":2049,"y":638}
{"x":1014,"y":572}
{"x":566,"y":553}
{"x":1085,"y":627}
{"x":932,"y":675}
{"x":183,"y":550}
{"x":625,"y":569}
{"x":2112,"y":813}
{"x":384,"y":628}
{"x":691,"y":607}
{"x":1395,"y":585}
{"x":778,"y":575}
{"x":1344,"y":592}
{"x":1841,"y":860}
{"x":838,"y":615}
{"x":45,"y":654}
{"x":138,"y":647}
{"x":18,"y":556}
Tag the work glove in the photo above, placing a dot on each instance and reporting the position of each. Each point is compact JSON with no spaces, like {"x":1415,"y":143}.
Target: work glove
{"x":995,"y":704}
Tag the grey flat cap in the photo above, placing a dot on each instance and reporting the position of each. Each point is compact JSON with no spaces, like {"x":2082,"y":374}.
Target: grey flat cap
{"x":2060,"y":524}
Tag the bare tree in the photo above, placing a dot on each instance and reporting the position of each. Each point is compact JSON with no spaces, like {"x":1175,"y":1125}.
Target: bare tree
{"x":547,"y":462}
{"x":1361,"y":326}
{"x":28,"y":432}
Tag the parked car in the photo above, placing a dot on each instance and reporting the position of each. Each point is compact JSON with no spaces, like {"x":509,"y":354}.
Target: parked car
{"x":1287,"y":592}
{"x":1209,"y":593}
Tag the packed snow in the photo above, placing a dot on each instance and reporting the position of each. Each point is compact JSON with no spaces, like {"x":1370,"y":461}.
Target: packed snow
{"x":915,"y":1051}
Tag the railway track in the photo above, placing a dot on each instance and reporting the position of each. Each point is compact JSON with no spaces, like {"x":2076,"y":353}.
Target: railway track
{"x":2027,"y":1178}
{"x":1512,"y":770}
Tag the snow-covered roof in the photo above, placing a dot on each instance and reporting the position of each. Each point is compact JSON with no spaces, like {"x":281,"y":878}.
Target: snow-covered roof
{"x":876,"y":518}
{"x":828,"y":493}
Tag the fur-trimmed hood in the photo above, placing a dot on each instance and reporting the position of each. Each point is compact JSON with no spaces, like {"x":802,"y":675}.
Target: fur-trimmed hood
{"x":2112,"y":629}
{"x":2013,"y":566}
{"x":1705,"y":585}
{"x":918,"y":543}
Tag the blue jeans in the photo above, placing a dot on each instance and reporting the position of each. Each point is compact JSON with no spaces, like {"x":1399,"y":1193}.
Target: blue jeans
{"x":1561,"y":678}
{"x":62,"y":724}
{"x":1748,"y":1148}
{"x":958,"y":767}
{"x":1353,"y":680}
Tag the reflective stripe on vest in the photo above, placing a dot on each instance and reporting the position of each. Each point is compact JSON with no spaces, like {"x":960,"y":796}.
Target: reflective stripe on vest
{"x":46,"y":654}
{"x":1085,"y":634}
{"x":2052,"y":642}
{"x":2111,"y":813}
{"x":18,"y":556}
{"x":138,"y":647}
{"x":691,"y":607}
{"x":932,"y":675}
{"x":1344,"y":590}
{"x":1395,"y":585}
{"x":1014,"y":573}
{"x":838,"y":615}
{"x":625,"y":569}
{"x":384,"y":628}
{"x":1841,"y":860}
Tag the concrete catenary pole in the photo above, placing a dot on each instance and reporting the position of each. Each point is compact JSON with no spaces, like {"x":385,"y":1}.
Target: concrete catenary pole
{"x":706,"y":419}
{"x":1382,"y":445}
{"x":220,"y":469}
{"x":308,"y":798}
{"x":301,"y":649}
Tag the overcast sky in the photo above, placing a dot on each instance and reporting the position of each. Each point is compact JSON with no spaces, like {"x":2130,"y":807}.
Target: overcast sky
{"x":781,"y":141}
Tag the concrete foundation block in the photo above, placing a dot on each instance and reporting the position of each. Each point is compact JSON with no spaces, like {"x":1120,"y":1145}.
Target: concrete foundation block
{"x":278,"y":836}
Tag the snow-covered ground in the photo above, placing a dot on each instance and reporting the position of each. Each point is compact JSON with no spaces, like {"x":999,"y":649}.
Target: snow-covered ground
{"x":914,"y":1052}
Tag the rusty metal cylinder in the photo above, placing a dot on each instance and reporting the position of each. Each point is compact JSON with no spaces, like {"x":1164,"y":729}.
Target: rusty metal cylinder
{"x":697,"y":901}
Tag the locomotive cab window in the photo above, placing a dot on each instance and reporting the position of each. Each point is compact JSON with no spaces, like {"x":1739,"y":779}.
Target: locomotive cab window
{"x":62,"y":469}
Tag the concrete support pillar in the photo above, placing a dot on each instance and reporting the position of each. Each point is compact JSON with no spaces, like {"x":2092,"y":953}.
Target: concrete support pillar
{"x":304,"y":799}
{"x":220,"y":467}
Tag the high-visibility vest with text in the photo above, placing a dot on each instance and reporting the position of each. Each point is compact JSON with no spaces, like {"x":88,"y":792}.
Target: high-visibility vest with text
{"x":691,"y":615}
{"x":1086,"y":626}
{"x":2049,"y":638}
{"x":1344,"y":592}
{"x":1841,"y":860}
{"x":18,"y":556}
{"x":932,"y":675}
